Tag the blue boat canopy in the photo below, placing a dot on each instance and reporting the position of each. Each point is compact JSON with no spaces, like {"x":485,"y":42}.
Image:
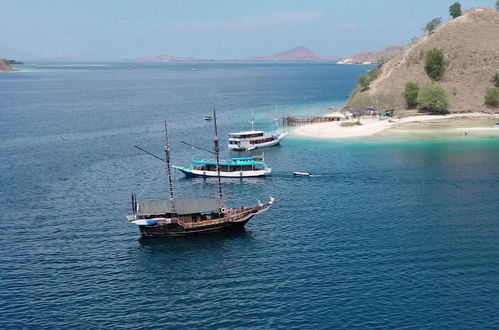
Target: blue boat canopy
{"x":233,"y":162}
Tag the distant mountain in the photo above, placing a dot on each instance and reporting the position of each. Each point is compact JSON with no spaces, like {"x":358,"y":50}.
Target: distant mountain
{"x":372,"y":57}
{"x":165,"y":58}
{"x":294,"y":54}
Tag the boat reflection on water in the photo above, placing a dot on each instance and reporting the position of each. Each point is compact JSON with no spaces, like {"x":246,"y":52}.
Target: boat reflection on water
{"x":193,"y":242}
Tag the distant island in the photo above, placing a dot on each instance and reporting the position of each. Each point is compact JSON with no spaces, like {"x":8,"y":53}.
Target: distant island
{"x":165,"y":58}
{"x":372,"y":57}
{"x":296,"y":54}
{"x":446,"y":81}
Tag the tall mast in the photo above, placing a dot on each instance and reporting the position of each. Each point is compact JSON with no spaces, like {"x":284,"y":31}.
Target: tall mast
{"x":252,"y":121}
{"x":168,"y":167}
{"x":217,"y":153}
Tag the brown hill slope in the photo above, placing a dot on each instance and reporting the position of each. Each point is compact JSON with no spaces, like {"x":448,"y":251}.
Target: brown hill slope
{"x":471,"y":47}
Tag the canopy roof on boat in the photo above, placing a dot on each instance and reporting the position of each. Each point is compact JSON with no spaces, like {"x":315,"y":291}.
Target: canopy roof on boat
{"x":238,"y":161}
{"x":181,"y":206}
{"x":237,"y":134}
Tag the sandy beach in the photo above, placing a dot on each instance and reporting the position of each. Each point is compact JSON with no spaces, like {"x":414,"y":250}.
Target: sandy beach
{"x":460,"y":123}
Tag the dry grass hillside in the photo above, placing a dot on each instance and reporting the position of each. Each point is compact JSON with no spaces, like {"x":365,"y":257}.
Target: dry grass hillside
{"x":471,"y":48}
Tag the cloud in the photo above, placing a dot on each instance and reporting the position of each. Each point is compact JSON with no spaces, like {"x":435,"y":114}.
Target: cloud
{"x":347,"y":27}
{"x":252,"y":23}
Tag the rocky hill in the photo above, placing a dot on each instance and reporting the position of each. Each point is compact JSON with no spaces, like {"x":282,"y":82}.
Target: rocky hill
{"x":372,"y":57}
{"x":471,"y":49}
{"x":4,"y":66}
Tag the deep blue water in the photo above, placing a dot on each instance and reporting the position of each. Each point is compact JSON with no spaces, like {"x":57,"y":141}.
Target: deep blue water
{"x":393,"y":234}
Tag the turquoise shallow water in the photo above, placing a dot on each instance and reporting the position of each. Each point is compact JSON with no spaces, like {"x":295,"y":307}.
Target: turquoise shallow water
{"x":390,"y":234}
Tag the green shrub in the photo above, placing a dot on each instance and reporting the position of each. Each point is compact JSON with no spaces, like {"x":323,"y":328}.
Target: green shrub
{"x":455,"y":9}
{"x":373,"y":74}
{"x":432,"y":25}
{"x":433,"y":98}
{"x":411,"y":95}
{"x":435,"y":65}
{"x":492,"y":96}
{"x":366,"y":79}
{"x":495,"y":80}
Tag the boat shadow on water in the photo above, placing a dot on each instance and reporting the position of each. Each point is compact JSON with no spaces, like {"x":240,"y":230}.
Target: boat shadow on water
{"x":213,"y":181}
{"x":196,"y":241}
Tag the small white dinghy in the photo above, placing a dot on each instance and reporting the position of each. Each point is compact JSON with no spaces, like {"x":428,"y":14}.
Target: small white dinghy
{"x":301,"y":174}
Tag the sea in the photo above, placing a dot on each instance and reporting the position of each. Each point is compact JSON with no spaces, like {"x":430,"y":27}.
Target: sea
{"x":388,"y":233}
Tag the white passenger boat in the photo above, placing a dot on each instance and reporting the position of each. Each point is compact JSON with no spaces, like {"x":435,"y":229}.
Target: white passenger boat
{"x":240,"y":167}
{"x":250,"y":140}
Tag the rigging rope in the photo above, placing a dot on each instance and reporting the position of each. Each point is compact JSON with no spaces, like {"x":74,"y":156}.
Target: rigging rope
{"x":150,"y":180}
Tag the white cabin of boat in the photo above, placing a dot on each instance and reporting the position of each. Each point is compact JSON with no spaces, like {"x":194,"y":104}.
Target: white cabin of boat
{"x":249,"y":140}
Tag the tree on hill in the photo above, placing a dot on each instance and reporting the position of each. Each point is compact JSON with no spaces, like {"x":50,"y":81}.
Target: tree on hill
{"x":455,"y":9}
{"x":433,"y":98}
{"x":411,"y":95}
{"x":435,"y":65}
{"x":432,"y":25}
{"x":366,"y":79}
{"x":497,"y":4}
{"x":359,"y":104}
{"x":492,"y":96}
{"x":495,"y":80}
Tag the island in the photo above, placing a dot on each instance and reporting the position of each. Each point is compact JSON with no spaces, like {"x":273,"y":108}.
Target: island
{"x":448,"y":79}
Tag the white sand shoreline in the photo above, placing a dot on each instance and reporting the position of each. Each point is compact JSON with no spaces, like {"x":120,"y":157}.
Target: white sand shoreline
{"x":373,"y":126}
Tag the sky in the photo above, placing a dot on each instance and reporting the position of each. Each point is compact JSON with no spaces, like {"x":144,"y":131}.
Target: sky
{"x":214,"y":29}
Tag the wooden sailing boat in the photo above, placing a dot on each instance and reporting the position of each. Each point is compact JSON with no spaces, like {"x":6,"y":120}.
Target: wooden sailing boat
{"x":180,"y":217}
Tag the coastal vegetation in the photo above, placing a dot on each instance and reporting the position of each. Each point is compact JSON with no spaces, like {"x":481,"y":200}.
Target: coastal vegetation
{"x":492,"y":96}
{"x":351,"y":123}
{"x":13,"y":62}
{"x":435,"y":65}
{"x":495,"y":80}
{"x":455,"y":9}
{"x":412,"y":42}
{"x":411,"y":95}
{"x":432,"y":25}
{"x":434,"y":99}
{"x":365,"y":80}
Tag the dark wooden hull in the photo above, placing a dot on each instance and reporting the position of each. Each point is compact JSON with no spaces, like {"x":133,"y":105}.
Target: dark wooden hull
{"x":170,"y":230}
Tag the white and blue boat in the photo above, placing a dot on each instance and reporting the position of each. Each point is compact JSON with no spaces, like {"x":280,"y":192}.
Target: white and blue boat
{"x":239,"y":167}
{"x":250,"y":140}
